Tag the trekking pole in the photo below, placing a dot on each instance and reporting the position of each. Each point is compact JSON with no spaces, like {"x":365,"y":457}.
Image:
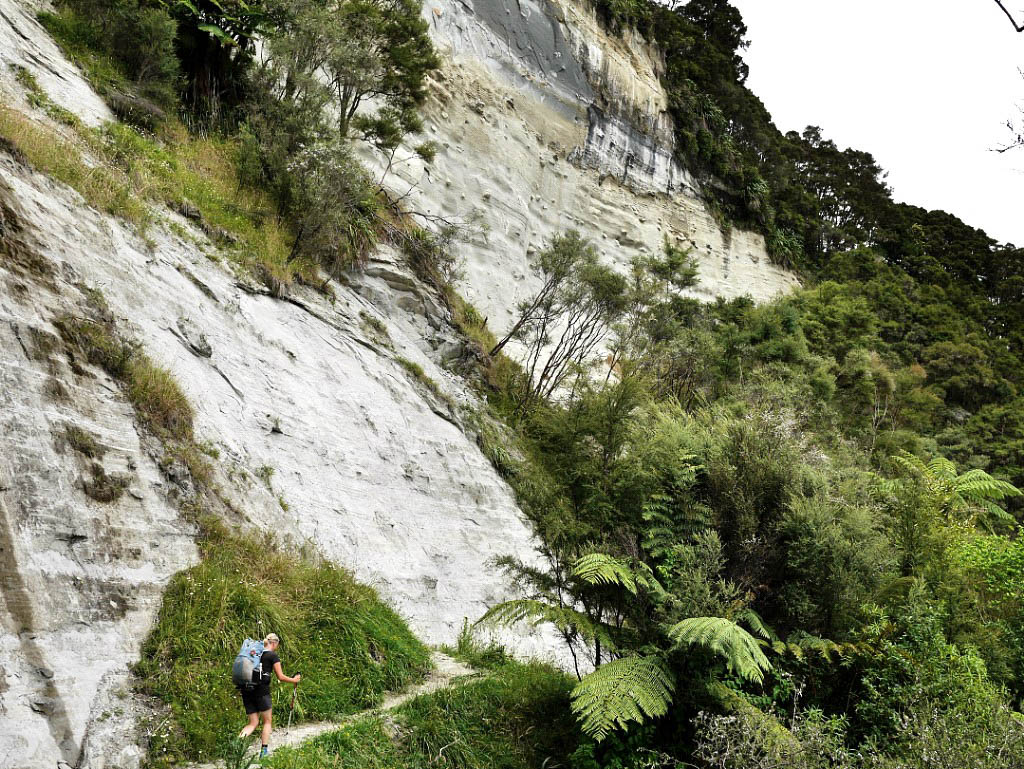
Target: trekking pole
{"x":295,"y":688}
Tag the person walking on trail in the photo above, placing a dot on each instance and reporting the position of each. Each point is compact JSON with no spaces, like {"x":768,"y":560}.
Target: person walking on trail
{"x":257,"y":700}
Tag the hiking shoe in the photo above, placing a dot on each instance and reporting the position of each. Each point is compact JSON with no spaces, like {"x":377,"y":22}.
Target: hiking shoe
{"x":264,"y":751}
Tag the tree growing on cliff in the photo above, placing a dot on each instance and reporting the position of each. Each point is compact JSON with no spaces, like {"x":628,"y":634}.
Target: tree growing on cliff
{"x":563,"y":323}
{"x":368,"y":59}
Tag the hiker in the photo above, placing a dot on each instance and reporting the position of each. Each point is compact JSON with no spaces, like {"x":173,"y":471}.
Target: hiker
{"x":257,"y":700}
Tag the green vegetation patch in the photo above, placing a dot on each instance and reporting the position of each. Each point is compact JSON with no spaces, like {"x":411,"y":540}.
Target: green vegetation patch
{"x":37,"y":98}
{"x":196,"y":176}
{"x":103,"y":487}
{"x":45,"y":151}
{"x":84,"y":442}
{"x":421,"y":376}
{"x":349,"y":646}
{"x":158,"y":399}
{"x":516,"y":718}
{"x":81,"y":42}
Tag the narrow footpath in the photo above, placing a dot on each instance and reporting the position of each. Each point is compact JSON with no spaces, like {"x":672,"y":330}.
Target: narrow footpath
{"x":446,"y":670}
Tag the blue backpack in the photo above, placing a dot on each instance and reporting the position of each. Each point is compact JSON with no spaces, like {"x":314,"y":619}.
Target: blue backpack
{"x":247,"y":672}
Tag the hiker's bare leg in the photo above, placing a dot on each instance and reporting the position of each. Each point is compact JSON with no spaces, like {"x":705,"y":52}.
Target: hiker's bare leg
{"x":249,"y":728}
{"x":266,"y":715}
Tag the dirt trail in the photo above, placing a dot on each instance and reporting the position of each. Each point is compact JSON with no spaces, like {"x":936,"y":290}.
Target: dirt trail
{"x":445,"y":671}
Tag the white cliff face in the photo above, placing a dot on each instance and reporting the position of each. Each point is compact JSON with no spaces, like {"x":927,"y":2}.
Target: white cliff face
{"x":545,"y":123}
{"x":24,"y":43}
{"x":80,"y":579}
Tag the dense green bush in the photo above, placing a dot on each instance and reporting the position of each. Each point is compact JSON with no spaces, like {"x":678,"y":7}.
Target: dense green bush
{"x":912,"y":666}
{"x":127,"y":46}
{"x":773,"y":496}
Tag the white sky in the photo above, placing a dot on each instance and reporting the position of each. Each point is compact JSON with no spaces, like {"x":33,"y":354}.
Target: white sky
{"x":925,"y":86}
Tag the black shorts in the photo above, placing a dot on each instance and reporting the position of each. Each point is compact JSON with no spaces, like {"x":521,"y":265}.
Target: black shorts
{"x":255,"y":702}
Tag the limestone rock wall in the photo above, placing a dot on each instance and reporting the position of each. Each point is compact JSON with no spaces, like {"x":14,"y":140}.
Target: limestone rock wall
{"x":24,"y":43}
{"x":79,"y":579}
{"x":372,"y":468}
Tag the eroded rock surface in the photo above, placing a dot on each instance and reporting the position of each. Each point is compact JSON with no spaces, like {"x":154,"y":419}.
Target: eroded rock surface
{"x":80,"y":578}
{"x":24,"y":43}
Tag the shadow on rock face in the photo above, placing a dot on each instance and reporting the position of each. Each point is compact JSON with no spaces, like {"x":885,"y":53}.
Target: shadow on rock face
{"x":46,"y":700}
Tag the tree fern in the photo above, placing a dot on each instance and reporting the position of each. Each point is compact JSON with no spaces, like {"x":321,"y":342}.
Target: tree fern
{"x":740,"y":650}
{"x":629,"y":689}
{"x":972,"y":491}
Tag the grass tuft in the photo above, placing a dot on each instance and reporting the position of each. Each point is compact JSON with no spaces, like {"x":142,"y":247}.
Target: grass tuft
{"x":47,"y":152}
{"x":83,"y":442}
{"x":421,"y":376}
{"x":468,"y":649}
{"x":103,"y":487}
{"x":375,"y":329}
{"x":38,"y":98}
{"x":158,"y":399}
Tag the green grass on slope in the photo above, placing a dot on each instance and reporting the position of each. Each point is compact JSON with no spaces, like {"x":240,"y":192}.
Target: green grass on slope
{"x":517,"y":718}
{"x":349,"y":646}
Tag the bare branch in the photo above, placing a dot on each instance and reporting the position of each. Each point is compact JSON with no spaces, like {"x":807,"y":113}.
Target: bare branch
{"x":1016,"y":130}
{"x":1013,"y":21}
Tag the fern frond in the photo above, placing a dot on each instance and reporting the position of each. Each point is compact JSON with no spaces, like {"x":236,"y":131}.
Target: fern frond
{"x":956,"y":493}
{"x":823,"y":646}
{"x":659,"y":533}
{"x":623,"y":690}
{"x":908,"y":462}
{"x":740,"y":650}
{"x":977,"y":485}
{"x":602,"y":569}
{"x":534,"y":612}
{"x":996,"y":514}
{"x":671,"y":521}
{"x":941,"y":468}
{"x":753,"y":620}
